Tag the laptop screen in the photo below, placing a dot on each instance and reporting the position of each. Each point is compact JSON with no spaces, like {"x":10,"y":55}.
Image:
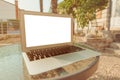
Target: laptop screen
{"x":46,"y":29}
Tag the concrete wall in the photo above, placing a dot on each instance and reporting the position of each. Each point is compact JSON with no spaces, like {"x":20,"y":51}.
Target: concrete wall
{"x":102,"y":20}
{"x":7,"y":10}
{"x":115,"y":19}
{"x":115,"y":16}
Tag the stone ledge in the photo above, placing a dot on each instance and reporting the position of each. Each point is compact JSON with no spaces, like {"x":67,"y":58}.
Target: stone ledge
{"x":98,"y":43}
{"x":95,"y":40}
{"x":6,"y":36}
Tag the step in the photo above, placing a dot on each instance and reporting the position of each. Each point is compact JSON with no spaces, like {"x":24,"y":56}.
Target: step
{"x":111,"y":50}
{"x":115,"y":45}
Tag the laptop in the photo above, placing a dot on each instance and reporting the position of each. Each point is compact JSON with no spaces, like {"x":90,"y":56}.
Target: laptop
{"x":47,"y":42}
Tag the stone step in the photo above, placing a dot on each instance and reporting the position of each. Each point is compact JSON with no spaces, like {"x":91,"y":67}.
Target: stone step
{"x":115,"y":51}
{"x":115,"y":45}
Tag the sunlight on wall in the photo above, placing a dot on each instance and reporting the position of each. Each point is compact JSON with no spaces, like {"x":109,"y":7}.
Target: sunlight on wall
{"x":11,"y":1}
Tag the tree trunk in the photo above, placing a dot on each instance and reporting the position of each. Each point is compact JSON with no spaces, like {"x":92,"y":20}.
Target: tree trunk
{"x":17,"y":9}
{"x":41,"y":5}
{"x":54,"y":6}
{"x":109,"y":14}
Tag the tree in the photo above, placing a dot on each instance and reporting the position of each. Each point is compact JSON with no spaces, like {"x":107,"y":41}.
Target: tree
{"x":41,"y":5}
{"x":54,"y":6}
{"x":82,"y":10}
{"x":109,"y":14}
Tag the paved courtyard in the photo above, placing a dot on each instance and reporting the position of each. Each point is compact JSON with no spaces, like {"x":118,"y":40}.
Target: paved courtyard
{"x":108,"y":68}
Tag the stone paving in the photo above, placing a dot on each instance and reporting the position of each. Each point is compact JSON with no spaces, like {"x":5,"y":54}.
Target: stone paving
{"x":11,"y":67}
{"x":108,"y":69}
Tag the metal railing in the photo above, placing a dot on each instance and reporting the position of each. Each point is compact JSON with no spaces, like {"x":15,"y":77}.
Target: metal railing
{"x":9,"y":26}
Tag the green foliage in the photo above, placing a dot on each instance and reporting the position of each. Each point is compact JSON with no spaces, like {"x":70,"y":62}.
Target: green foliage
{"x":82,"y":10}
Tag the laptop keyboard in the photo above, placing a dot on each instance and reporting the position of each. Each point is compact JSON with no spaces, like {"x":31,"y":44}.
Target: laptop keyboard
{"x":38,"y":54}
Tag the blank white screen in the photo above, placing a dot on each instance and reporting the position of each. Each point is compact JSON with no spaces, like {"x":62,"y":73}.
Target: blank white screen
{"x":46,"y":30}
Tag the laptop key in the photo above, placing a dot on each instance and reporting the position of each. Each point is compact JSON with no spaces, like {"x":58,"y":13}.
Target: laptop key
{"x":49,"y":52}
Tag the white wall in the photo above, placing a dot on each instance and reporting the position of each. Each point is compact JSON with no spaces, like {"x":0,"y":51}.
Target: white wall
{"x":115,"y":20}
{"x":10,"y":1}
{"x":113,"y":7}
{"x":7,"y":11}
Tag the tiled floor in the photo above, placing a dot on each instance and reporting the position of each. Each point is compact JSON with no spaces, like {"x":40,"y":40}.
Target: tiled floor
{"x":11,"y":67}
{"x":108,"y":69}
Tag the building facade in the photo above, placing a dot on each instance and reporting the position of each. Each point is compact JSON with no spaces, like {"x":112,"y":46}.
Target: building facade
{"x":8,"y":17}
{"x":7,"y":10}
{"x":115,"y":17}
{"x":102,"y":16}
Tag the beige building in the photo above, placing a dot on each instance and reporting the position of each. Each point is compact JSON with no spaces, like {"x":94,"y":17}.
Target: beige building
{"x":115,"y":18}
{"x":102,"y":16}
{"x":7,"y":10}
{"x":8,"y":17}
